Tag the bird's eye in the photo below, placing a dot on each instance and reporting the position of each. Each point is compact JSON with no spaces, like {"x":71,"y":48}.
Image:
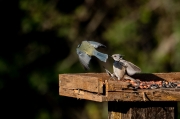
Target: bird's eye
{"x":79,"y":45}
{"x":115,"y":56}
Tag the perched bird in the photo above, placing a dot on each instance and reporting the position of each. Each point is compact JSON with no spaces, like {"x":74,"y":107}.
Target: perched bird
{"x":87,"y":49}
{"x":123,"y":68}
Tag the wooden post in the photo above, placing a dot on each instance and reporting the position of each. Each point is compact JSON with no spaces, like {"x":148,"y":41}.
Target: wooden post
{"x":123,"y":102}
{"x":142,"y":110}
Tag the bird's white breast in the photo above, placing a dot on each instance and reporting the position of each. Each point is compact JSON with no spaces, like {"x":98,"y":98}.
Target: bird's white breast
{"x":119,"y":70}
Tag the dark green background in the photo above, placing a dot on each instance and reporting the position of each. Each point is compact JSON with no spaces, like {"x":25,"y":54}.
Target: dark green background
{"x":38,"y":41}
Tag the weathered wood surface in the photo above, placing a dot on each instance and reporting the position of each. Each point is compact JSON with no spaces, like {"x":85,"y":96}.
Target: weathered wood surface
{"x":98,"y":87}
{"x":144,"y":95}
{"x":142,"y":110}
{"x":79,"y":94}
{"x":83,"y":82}
{"x":117,"y":85}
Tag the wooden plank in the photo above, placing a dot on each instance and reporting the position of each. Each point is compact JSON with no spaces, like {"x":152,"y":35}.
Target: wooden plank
{"x":88,"y":83}
{"x":142,"y":110}
{"x":115,"y":85}
{"x":100,"y":76}
{"x":144,"y":95}
{"x":79,"y":94}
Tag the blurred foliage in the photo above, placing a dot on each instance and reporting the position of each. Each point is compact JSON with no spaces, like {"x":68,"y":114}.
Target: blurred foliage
{"x":39,"y":40}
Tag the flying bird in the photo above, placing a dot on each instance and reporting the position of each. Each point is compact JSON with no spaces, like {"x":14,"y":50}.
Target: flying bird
{"x":87,"y":49}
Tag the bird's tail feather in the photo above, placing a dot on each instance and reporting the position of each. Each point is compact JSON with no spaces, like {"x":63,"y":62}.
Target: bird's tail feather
{"x":101,"y":56}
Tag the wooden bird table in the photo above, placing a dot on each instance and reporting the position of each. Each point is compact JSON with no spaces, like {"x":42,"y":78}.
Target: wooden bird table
{"x":124,"y":102}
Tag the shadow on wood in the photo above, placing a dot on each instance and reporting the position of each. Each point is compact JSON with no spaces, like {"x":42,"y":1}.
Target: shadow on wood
{"x":158,"y":76}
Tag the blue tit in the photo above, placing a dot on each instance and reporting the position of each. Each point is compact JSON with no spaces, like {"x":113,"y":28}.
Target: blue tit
{"x":123,"y":68}
{"x":87,"y":49}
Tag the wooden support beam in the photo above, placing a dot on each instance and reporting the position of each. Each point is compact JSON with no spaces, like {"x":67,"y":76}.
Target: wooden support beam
{"x":142,"y":110}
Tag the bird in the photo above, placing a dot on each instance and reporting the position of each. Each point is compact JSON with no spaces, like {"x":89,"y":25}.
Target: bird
{"x":124,"y":69}
{"x":87,"y":49}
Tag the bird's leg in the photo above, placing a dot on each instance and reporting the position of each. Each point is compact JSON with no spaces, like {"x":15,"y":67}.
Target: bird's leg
{"x":110,"y":74}
{"x":113,"y":76}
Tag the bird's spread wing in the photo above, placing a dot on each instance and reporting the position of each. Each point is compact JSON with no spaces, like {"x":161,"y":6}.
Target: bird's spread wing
{"x":84,"y":59}
{"x":96,"y":44}
{"x":131,"y":69}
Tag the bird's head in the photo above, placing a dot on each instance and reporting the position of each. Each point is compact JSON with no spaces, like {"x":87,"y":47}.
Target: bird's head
{"x":117,"y":57}
{"x":78,"y":45}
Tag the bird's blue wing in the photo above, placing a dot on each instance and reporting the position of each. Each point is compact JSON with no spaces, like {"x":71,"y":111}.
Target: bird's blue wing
{"x":96,"y":44}
{"x":84,"y":59}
